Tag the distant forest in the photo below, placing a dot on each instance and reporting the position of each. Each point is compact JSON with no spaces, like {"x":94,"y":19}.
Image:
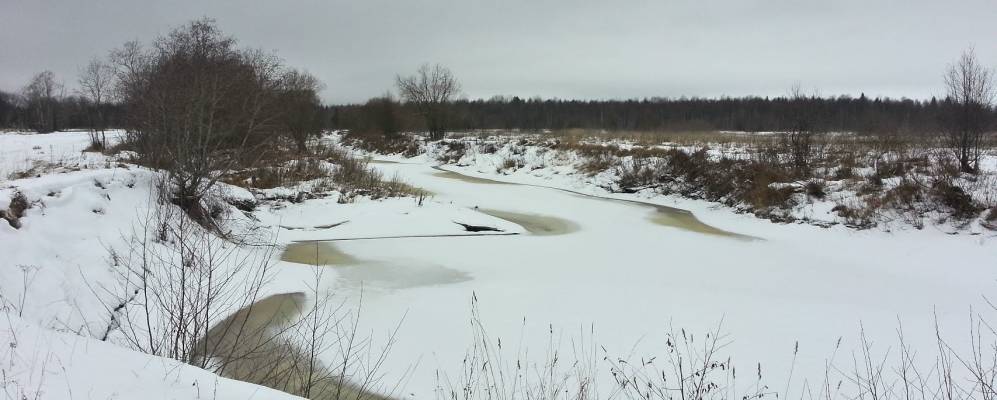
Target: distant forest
{"x":54,"y":113}
{"x":838,"y":114}
{"x":754,"y":114}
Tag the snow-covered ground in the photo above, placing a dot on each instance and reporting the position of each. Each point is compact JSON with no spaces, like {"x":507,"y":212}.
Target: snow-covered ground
{"x":601,"y":164}
{"x":64,"y":268}
{"x":631,"y":278}
{"x":40,"y":363}
{"x":20,"y":151}
{"x":58,"y":279}
{"x":619,"y":272}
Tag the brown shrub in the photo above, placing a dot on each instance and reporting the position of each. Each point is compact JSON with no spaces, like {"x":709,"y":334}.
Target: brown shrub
{"x":453,"y":151}
{"x":690,"y":166}
{"x":511,"y":163}
{"x":281,"y":175}
{"x":958,"y":201}
{"x":763,"y":197}
{"x":353,"y":176}
{"x":857,"y":217}
{"x":18,"y":204}
{"x":904,"y":196}
{"x":383,"y":144}
{"x":350,"y":175}
{"x":843,"y":172}
{"x":639,"y":173}
{"x":489,"y":148}
{"x":948,"y":167}
{"x":889,"y":169}
{"x":815,"y":188}
{"x":595,"y":164}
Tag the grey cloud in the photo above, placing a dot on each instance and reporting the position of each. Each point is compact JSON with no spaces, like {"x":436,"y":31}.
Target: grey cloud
{"x":554,"y":48}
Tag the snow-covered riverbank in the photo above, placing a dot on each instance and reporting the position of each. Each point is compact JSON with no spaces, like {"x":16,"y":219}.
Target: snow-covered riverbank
{"x":607,"y":272}
{"x":631,"y":278}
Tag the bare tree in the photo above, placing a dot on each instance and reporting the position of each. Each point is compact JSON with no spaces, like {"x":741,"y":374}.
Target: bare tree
{"x":42,"y":95}
{"x":197,"y":106}
{"x":970,"y":89}
{"x":300,"y":107}
{"x":95,"y":82}
{"x":801,"y":129}
{"x":431,"y":90}
{"x":382,"y":112}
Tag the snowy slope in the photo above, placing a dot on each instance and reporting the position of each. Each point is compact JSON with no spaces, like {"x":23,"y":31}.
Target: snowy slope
{"x":45,"y":364}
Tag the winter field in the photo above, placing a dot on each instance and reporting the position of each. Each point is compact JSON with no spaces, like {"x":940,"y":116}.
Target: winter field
{"x":579,"y":287}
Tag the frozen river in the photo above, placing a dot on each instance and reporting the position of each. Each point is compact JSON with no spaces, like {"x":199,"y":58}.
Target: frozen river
{"x":629,"y":271}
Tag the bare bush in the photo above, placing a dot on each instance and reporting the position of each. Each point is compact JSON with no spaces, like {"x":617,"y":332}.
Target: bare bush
{"x":198,"y":106}
{"x":799,"y":139}
{"x":306,"y":344}
{"x":401,"y":144}
{"x":353,"y":176}
{"x":639,"y":173}
{"x":179,"y":280}
{"x":190,"y":295}
{"x":452,"y":151}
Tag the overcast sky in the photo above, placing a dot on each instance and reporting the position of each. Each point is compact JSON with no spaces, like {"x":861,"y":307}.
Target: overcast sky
{"x":553,"y":48}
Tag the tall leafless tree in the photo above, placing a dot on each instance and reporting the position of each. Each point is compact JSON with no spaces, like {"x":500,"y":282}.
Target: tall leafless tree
{"x":42,"y":94}
{"x":382,"y":114}
{"x":95,"y":82}
{"x":801,"y":126}
{"x":970,"y":90}
{"x":300,"y":107}
{"x":431,"y":90}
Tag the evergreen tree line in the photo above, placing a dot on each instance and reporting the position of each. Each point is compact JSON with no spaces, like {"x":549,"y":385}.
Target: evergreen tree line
{"x":753,"y":114}
{"x":386,"y":115}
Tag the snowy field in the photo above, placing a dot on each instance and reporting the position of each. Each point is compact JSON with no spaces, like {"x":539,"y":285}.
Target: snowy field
{"x":20,"y":152}
{"x":616,"y":275}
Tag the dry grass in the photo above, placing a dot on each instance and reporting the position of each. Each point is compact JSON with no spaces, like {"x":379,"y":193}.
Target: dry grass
{"x":328,"y":168}
{"x":697,"y":366}
{"x":647,"y":138}
{"x":376,"y":143}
